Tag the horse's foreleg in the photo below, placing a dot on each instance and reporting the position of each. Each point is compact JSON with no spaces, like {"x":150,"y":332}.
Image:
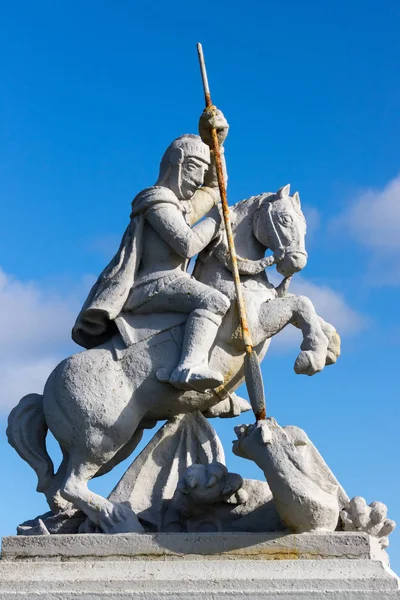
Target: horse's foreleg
{"x":299,"y":311}
{"x":333,"y":351}
{"x":314,"y":347}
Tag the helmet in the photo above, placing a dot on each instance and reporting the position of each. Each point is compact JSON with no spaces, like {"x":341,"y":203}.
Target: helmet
{"x":184,"y":146}
{"x":188,"y":145}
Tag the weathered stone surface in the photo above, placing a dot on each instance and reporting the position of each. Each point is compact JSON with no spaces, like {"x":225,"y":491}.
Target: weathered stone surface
{"x":152,"y":478}
{"x":208,"y":546}
{"x":120,"y":567}
{"x":306,"y":493}
{"x":372,"y":519}
{"x":97,"y":402}
{"x":232,"y":580}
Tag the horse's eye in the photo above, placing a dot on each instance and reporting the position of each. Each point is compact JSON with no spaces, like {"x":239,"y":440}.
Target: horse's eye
{"x":285,"y":220}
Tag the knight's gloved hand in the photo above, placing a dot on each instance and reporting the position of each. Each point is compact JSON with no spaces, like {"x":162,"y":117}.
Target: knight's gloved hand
{"x":212,"y":118}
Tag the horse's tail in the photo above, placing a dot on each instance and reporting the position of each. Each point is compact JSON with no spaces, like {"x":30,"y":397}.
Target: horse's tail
{"x":26,"y":432}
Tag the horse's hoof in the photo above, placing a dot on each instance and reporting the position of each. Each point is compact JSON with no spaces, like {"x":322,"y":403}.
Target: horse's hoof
{"x":120,"y":519}
{"x":331,"y":358}
{"x":306,"y":363}
{"x":333,"y":351}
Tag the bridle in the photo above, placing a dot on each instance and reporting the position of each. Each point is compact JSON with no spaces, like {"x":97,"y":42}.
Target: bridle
{"x":280,"y":250}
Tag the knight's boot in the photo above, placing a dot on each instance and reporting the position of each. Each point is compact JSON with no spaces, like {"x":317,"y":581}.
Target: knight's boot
{"x":193,"y":371}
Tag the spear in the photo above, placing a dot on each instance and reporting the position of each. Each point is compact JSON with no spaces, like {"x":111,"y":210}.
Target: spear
{"x":252,"y":371}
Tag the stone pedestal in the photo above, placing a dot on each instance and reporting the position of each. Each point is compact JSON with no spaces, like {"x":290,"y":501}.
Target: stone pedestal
{"x":345,"y":566}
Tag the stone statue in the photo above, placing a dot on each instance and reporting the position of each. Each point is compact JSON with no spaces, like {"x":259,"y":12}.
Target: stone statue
{"x":306,"y":493}
{"x":149,"y":273}
{"x":161,"y":344}
{"x":372,"y":519}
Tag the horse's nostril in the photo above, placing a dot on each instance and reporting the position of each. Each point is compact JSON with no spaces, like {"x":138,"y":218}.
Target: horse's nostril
{"x":299,"y":260}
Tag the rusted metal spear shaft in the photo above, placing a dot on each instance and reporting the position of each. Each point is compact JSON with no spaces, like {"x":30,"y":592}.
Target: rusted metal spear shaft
{"x":253,"y":375}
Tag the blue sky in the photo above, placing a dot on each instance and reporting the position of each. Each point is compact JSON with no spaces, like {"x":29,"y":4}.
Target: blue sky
{"x":92,"y":93}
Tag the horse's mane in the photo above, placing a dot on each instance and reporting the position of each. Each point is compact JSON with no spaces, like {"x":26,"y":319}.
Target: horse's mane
{"x":268,"y":196}
{"x":241,"y":203}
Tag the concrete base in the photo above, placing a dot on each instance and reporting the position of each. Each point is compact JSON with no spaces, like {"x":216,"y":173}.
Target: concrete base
{"x":345,"y":566}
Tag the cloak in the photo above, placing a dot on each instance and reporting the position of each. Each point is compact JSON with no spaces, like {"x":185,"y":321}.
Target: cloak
{"x":95,"y":323}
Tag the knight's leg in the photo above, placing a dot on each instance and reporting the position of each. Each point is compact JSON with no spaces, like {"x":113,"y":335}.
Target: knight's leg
{"x":109,"y":517}
{"x":206,"y":308}
{"x":193,"y":370}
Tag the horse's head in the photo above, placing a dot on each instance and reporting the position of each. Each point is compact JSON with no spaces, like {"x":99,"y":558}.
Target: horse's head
{"x":279,"y":225}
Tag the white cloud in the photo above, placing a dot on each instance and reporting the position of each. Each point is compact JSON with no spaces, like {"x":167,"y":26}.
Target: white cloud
{"x":374,"y":217}
{"x":313,"y":219}
{"x":329,"y":304}
{"x":35,"y":327}
{"x":22,"y":376}
{"x":29,"y":317}
{"x":373,"y":220}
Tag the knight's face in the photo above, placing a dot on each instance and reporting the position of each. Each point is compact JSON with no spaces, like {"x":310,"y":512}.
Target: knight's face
{"x":193,"y":171}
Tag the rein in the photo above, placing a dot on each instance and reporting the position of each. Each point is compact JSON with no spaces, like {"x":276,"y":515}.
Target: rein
{"x":280,"y":250}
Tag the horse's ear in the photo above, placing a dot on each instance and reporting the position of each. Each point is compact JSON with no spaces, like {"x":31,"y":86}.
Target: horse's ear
{"x":296,"y":198}
{"x":283,"y":191}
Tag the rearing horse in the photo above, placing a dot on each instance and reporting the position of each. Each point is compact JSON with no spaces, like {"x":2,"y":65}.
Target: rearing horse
{"x":97,"y":402}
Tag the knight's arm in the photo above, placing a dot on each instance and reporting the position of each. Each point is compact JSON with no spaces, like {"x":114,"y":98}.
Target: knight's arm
{"x":170,"y":224}
{"x":208,"y":196}
{"x":201,"y":203}
{"x":245,"y":265}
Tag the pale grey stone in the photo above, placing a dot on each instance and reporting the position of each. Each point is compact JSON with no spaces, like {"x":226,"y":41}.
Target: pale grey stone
{"x":152,"y":486}
{"x":372,"y":518}
{"x":188,"y":546}
{"x":306,"y":494}
{"x":217,"y":580}
{"x":153,"y":477}
{"x":210,"y":498}
{"x":210,"y":484}
{"x":248,"y":509}
{"x":341,"y":566}
{"x":115,"y":389}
